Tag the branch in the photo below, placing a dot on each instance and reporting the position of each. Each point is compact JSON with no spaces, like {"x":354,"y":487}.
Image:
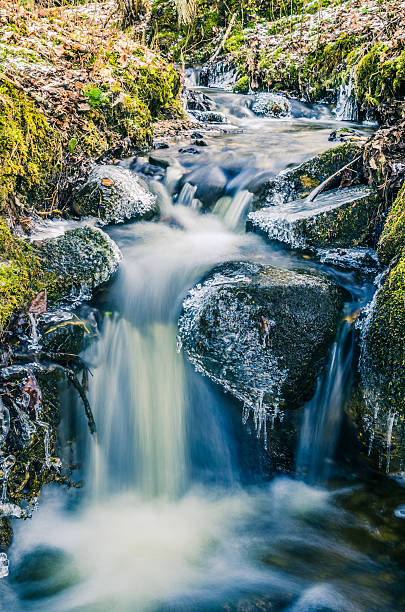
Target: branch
{"x":223,"y":41}
{"x":315,"y":192}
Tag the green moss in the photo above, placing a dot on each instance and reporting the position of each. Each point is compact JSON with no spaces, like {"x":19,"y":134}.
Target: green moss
{"x":20,"y":274}
{"x":241,"y":85}
{"x":29,"y":151}
{"x":392,"y":240}
{"x":385,"y":341}
{"x":379,"y":76}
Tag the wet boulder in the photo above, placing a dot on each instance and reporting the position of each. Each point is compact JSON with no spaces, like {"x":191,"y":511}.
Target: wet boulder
{"x":210,"y":116}
{"x":77,"y":263}
{"x":114,"y":195}
{"x":210,"y":182}
{"x":261,"y":332}
{"x":271,"y":105}
{"x":297,"y":183}
{"x":381,"y":415}
{"x":336,"y":218}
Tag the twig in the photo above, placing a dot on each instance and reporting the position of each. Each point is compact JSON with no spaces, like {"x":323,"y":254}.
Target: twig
{"x":223,"y":41}
{"x":315,"y":192}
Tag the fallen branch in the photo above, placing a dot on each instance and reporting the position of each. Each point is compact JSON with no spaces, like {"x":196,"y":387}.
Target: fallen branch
{"x":224,"y":39}
{"x":315,"y":192}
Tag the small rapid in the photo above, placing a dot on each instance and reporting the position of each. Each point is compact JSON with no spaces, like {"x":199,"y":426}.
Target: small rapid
{"x":177,"y":513}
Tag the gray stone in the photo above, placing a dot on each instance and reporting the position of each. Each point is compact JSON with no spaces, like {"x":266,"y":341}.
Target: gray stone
{"x":114,"y":195}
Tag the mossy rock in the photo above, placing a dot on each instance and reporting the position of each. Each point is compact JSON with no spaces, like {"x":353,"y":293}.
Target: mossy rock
{"x":242,"y":85}
{"x":29,"y":149}
{"x":21,"y":276}
{"x":383,"y":368}
{"x":300,"y":181}
{"x":262,"y":333}
{"x":392,"y":239}
{"x":114,"y":195}
{"x":77,"y":263}
{"x":338,"y":218}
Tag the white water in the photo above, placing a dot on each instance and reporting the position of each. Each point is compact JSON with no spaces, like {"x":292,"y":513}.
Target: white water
{"x":324,"y":413}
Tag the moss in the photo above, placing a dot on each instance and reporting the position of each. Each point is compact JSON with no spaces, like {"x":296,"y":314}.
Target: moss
{"x":29,"y":150}
{"x":386,"y":337}
{"x":392,"y":239}
{"x":6,"y":534}
{"x":383,"y":368}
{"x":20,"y":274}
{"x":241,"y":85}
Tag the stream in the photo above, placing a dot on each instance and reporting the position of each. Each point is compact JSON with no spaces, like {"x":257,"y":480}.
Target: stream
{"x":178,"y":512}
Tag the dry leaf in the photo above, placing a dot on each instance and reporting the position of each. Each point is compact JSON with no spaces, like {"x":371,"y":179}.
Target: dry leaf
{"x":38,"y":304}
{"x":106,"y":182}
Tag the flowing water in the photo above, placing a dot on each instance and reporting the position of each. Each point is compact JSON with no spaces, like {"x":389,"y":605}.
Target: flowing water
{"x":178,"y":512}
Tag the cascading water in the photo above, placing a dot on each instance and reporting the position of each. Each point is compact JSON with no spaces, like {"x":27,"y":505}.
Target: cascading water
{"x":171,"y":518}
{"x":323,"y":414}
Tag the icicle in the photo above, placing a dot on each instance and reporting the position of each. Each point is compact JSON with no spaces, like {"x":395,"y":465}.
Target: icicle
{"x":3,"y":565}
{"x":372,"y":433}
{"x":6,"y":467}
{"x":34,"y":340}
{"x":49,"y":461}
{"x":4,"y":423}
{"x":347,"y":107}
{"x":390,"y":422}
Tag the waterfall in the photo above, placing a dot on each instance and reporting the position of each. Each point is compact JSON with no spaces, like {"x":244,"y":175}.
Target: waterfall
{"x":323,"y":414}
{"x":138,"y":398}
{"x":347,"y":108}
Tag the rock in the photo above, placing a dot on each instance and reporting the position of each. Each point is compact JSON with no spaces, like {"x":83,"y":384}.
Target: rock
{"x":298,"y":182}
{"x":271,"y":105}
{"x":157,"y":160}
{"x":210,"y":116}
{"x":261,"y":332}
{"x":347,"y":135}
{"x":336,"y":218}
{"x":76,"y":263}
{"x":199,"y":101}
{"x":392,"y":239}
{"x":381,"y":417}
{"x":189,"y":150}
{"x":357,"y":259}
{"x":114,"y":195}
{"x":61,"y":332}
{"x":210,"y":181}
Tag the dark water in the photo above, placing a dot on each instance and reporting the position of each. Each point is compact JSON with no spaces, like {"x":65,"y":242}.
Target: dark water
{"x":178,"y":512}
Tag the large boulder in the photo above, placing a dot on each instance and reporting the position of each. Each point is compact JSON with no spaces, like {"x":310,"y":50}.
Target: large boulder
{"x":76,"y":263}
{"x":337,"y":218}
{"x":261,"y":332}
{"x":381,"y":416}
{"x":114,"y":195}
{"x":297,"y":183}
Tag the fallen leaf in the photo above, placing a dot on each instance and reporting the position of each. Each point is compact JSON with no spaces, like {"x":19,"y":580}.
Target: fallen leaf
{"x":38,"y":304}
{"x":106,"y":182}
